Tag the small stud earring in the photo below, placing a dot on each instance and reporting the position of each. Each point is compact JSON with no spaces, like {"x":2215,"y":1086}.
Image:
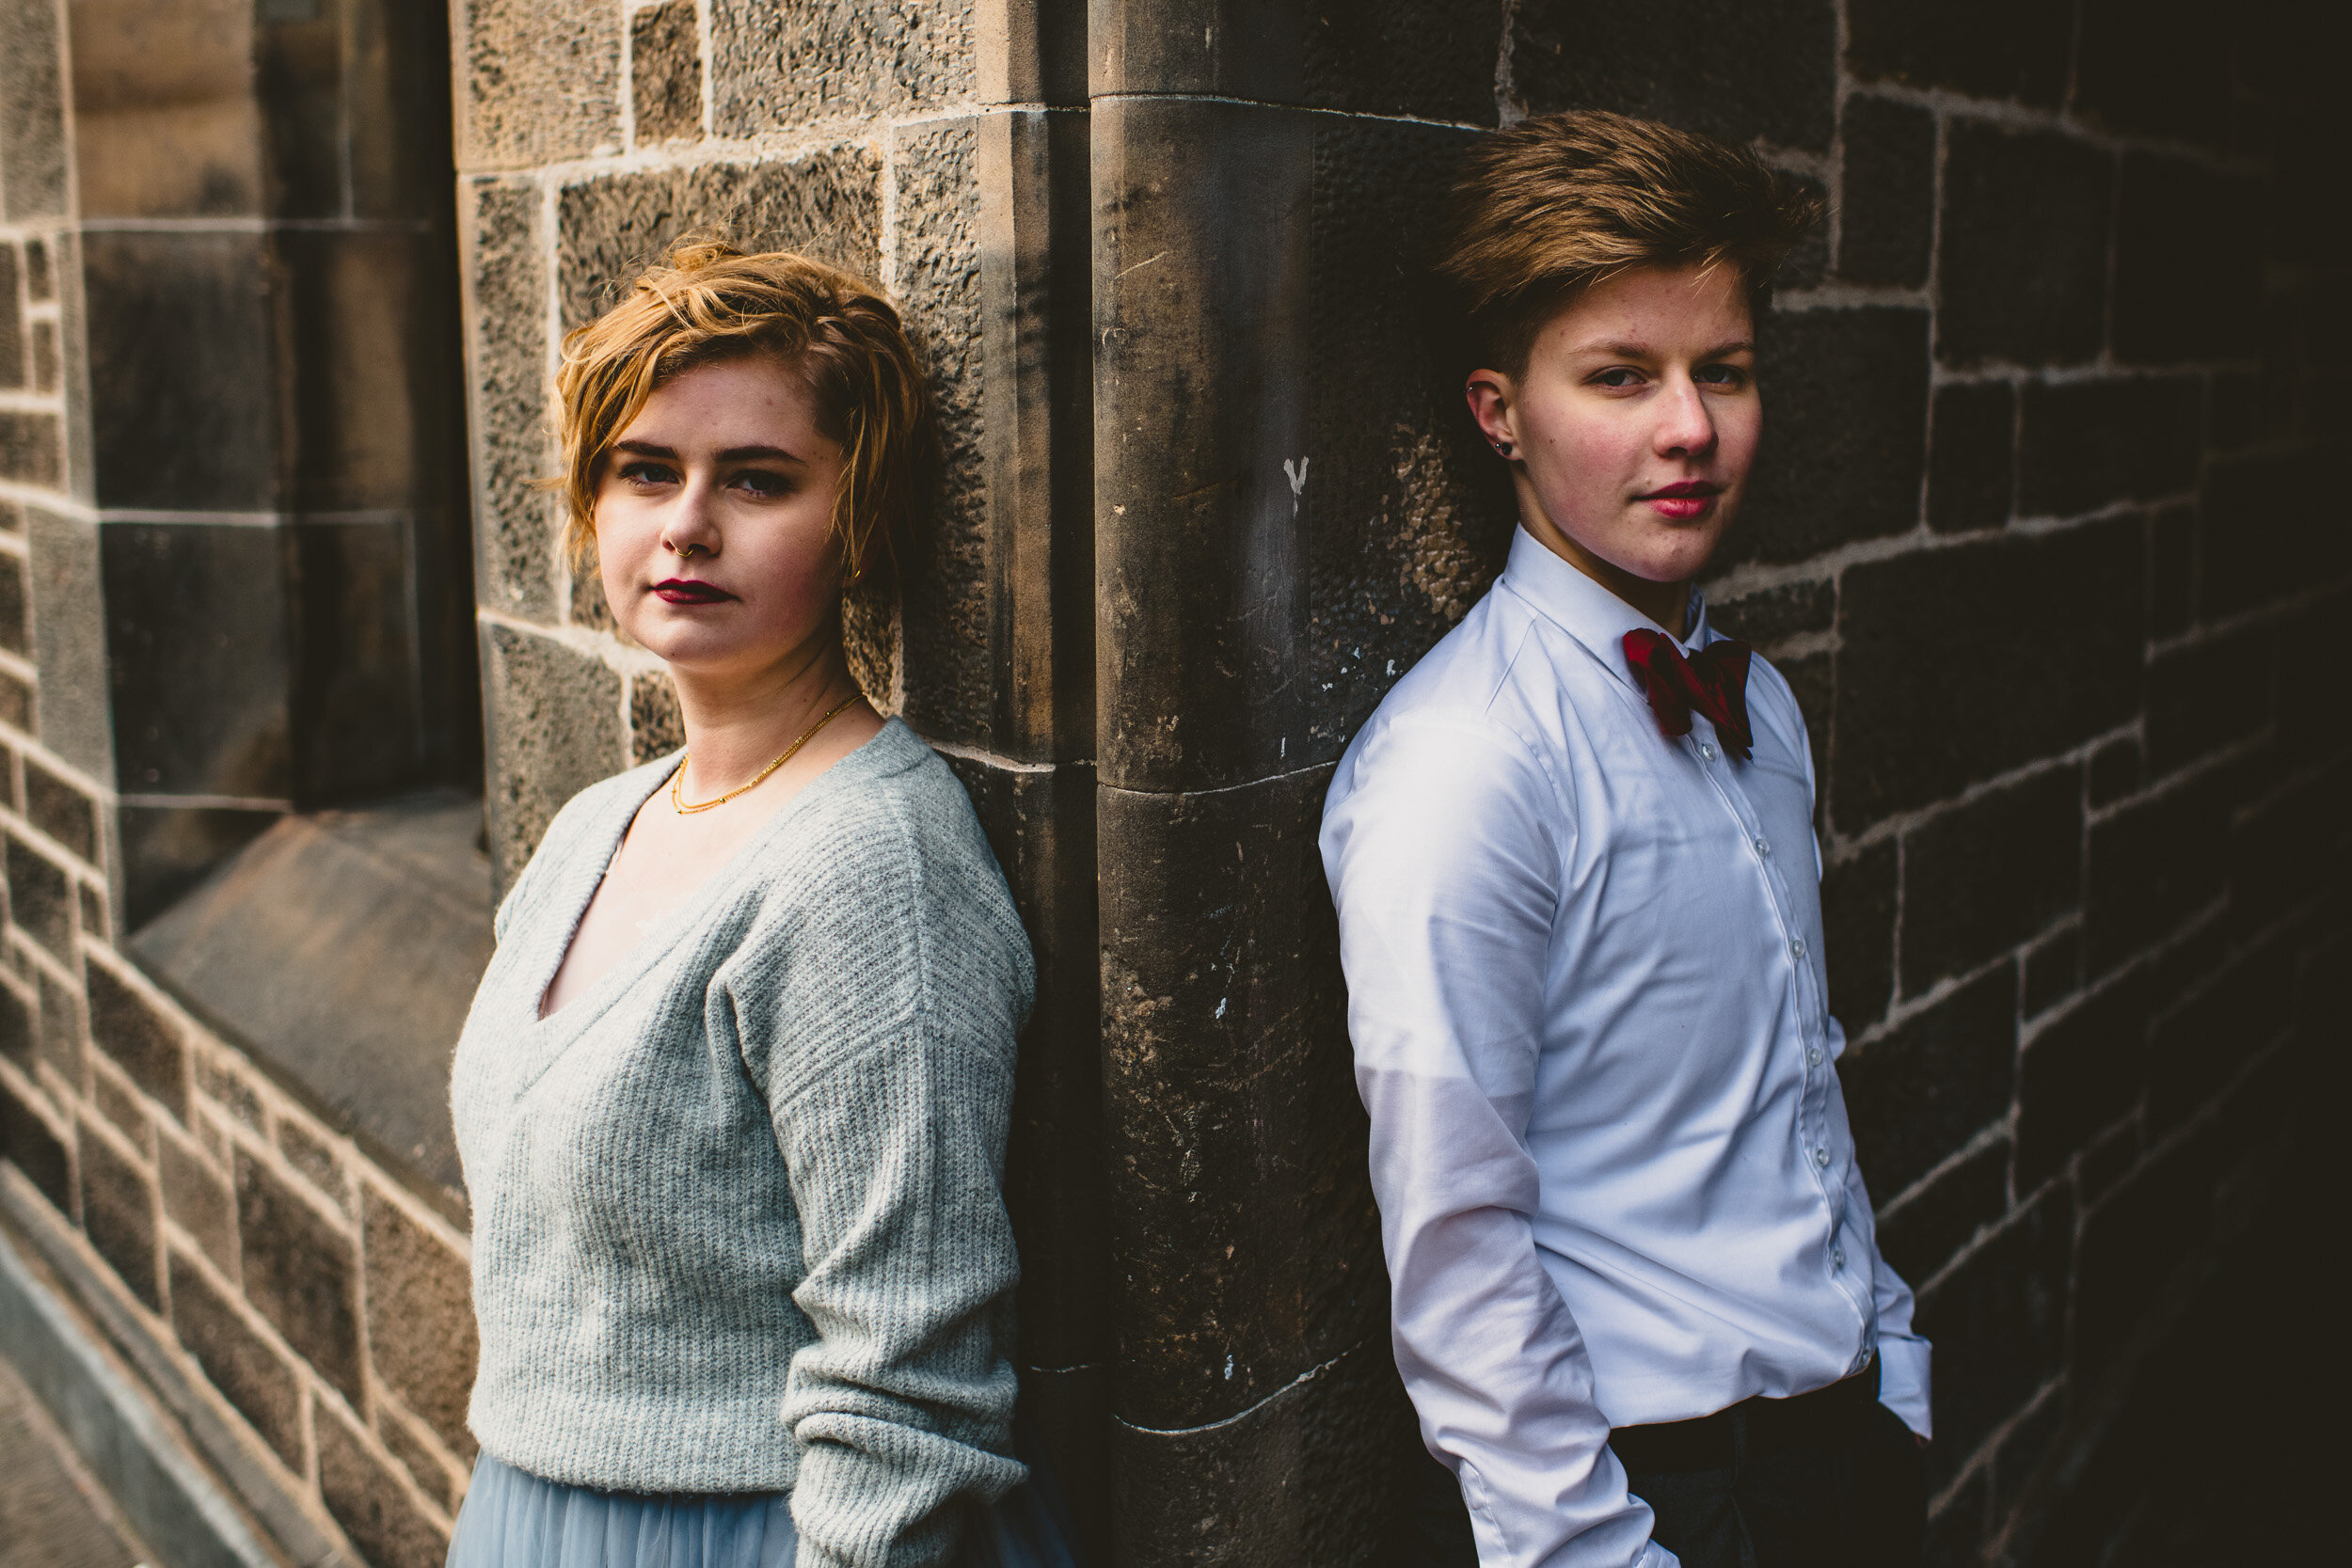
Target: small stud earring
{"x":1502,"y":448}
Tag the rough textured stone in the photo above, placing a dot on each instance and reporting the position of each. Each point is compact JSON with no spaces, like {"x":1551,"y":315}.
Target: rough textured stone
{"x":1984,"y":877}
{"x":300,"y":1272}
{"x":167,"y":851}
{"x":70,"y":641}
{"x":11,"y":323}
{"x":541,"y":80}
{"x":1759,"y":72}
{"x":2005,"y":613}
{"x":421,"y":1327}
{"x":18,"y":1021}
{"x":2178,"y":295}
{"x":13,"y":631}
{"x":2117,"y":768}
{"x":610,"y":229}
{"x":30,"y":451}
{"x":368,"y":1497}
{"x":1998,"y":1321}
{"x":32,"y":115}
{"x":41,"y":897}
{"x":421,"y":1459}
{"x":2153,"y":864}
{"x":315,"y":1161}
{"x":656,"y":728}
{"x":2202,"y":697}
{"x":1402,"y":56}
{"x":27,"y":1142}
{"x":198,"y":1199}
{"x":2084,"y":444}
{"x":1226,"y":1075}
{"x":240,"y":1362}
{"x":2023,"y":246}
{"x":2250,"y":520}
{"x":2290,"y":846}
{"x":507,"y":353}
{"x":1846,"y":425}
{"x":119,"y":1213}
{"x":2162,"y":69}
{"x":1858,"y":925}
{"x":1769,"y":615}
{"x":122,"y":1106}
{"x":2080,"y":1072}
{"x":61,"y":1038}
{"x":2132,"y":1242}
{"x":2197,"y":1049}
{"x":666,"y":82}
{"x":1932,"y":1223}
{"x":2053,"y":970}
{"x":1887,"y":219}
{"x":1918,"y":1093}
{"x":555,"y":729}
{"x":61,"y":809}
{"x":2001,"y":49}
{"x":1972,"y":456}
{"x":773,"y":68}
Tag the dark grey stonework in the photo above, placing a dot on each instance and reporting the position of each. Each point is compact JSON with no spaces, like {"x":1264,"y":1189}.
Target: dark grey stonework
{"x":2023,"y":245}
{"x":1982,"y":879}
{"x":2012,"y":49}
{"x":118,"y":1215}
{"x":1846,"y":413}
{"x":1919,"y":1093}
{"x":300,"y":1272}
{"x":1762,"y":72}
{"x":1972,"y":456}
{"x":557,"y":731}
{"x":1886,"y":222}
{"x":238,"y":1361}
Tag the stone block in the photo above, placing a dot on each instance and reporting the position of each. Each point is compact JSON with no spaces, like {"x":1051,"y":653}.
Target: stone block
{"x":1984,"y":877}
{"x":1845,"y":430}
{"x":15,"y":635}
{"x":32,"y":115}
{"x":1767,"y":616}
{"x":539,"y":81}
{"x":184,"y":409}
{"x":367,"y":1496}
{"x":2290,"y":846}
{"x":1956,"y":1531}
{"x":315,"y":1161}
{"x":167,"y":851}
{"x":2053,"y":972}
{"x":198,"y":656}
{"x":2199,"y":1046}
{"x":62,"y":1041}
{"x":2023,"y":262}
{"x":299,"y":1271}
{"x":30,"y":447}
{"x":11,"y":321}
{"x":774,"y":67}
{"x":27,"y":1142}
{"x":1972,"y":456}
{"x":1760,"y":72}
{"x":46,"y":365}
{"x":1934,"y":1222}
{"x":237,"y":1360}
{"x":1858,"y":925}
{"x":363,"y":325}
{"x":612,"y":228}
{"x":139,"y":1036}
{"x":2162,"y":69}
{"x":2132,"y":1242}
{"x":2022,"y":1449}
{"x":421,"y":1324}
{"x":69,"y":642}
{"x":947,"y":581}
{"x":356,"y":729}
{"x":2008,"y":612}
{"x":400,"y":121}
{"x":1308,"y":1479}
{"x":2117,"y":768}
{"x":119,"y":1213}
{"x":1403,"y":58}
{"x":40,"y":276}
{"x":2081,"y":1071}
{"x":2257,"y":540}
{"x":63,"y":809}
{"x":1226,"y":1078}
{"x":2203,"y":696}
{"x":1998,"y":1321}
{"x":507,"y":356}
{"x":2086,"y":444}
{"x":166,"y":116}
{"x":1887,"y":219}
{"x":198,"y":1199}
{"x":2152,"y":864}
{"x":656,"y":728}
{"x":122,"y":1106}
{"x":299,"y":60}
{"x":1921,"y":1091}
{"x":2002,"y":49}
{"x":2171,"y":570}
{"x":665,"y":81}
{"x":555,"y":728}
{"x":2178,"y":294}
{"x":421,"y":1459}
{"x":19,"y":1020}
{"x":41,"y":897}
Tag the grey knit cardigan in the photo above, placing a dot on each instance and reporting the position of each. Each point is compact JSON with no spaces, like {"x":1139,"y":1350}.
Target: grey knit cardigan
{"x":738,"y":1222}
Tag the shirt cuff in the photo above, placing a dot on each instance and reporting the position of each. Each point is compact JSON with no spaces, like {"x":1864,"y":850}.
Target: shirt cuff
{"x":1655,"y":1556}
{"x":1903,"y":1381}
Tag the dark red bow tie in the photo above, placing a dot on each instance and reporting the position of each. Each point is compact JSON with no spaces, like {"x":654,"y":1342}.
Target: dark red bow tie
{"x":1713,"y":681}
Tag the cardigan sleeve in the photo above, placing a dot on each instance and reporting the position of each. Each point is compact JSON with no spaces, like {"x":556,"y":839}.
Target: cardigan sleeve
{"x":885,"y":1044}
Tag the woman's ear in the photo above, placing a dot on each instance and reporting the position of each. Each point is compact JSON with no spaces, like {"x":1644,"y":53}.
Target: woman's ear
{"x":1492,"y":402}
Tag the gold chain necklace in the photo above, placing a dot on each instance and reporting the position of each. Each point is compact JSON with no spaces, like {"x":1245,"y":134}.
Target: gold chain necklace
{"x":678,"y":779}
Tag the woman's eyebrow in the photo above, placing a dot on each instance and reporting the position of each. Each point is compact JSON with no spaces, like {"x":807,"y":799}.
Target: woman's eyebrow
{"x":644,"y":449}
{"x":750,"y":454}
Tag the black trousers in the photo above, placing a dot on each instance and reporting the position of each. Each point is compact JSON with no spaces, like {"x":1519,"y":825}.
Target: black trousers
{"x":1829,"y":1480}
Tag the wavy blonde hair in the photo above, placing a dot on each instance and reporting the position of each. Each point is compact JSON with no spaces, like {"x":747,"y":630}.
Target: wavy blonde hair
{"x":710,"y":302}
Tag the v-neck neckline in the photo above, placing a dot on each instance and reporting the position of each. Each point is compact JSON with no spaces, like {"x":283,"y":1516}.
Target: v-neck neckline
{"x":664,"y":931}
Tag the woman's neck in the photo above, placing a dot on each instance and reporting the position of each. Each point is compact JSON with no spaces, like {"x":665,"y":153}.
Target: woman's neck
{"x":736,"y":725}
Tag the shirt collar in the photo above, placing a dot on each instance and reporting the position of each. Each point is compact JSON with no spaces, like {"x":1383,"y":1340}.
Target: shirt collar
{"x":1586,"y":611}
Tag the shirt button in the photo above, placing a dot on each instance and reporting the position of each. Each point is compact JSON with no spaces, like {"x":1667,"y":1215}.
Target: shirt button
{"x":1820,"y":1157}
{"x":1796,"y":947}
{"x":1838,"y":1259}
{"x":1762,"y":848}
{"x":1706,"y":750}
{"x":1812,"y":1057}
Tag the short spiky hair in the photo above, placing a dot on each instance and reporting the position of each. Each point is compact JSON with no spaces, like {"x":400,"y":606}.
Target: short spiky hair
{"x":710,"y":302}
{"x":1547,"y":207}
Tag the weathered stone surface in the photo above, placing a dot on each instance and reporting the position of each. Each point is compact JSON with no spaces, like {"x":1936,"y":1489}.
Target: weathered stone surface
{"x":1403,"y":58}
{"x":2162,"y":70}
{"x":19,"y":1018}
{"x":2022,"y":245}
{"x":14,"y":633}
{"x":368,"y":1497}
{"x":1845,"y":430}
{"x":315,"y":1161}
{"x":1998,"y":1323}
{"x":11,"y":323}
{"x":240,"y":1362}
{"x":666,"y":82}
{"x":2080,"y":1072}
{"x":168,"y":849}
{"x":1767,"y":616}
{"x":2054,"y":968}
{"x":2133,"y":1241}
{"x":946,"y":579}
{"x":1920,"y":1092}
{"x":1972,"y":456}
{"x":1930,"y":1227}
{"x":299,"y":1272}
{"x":124,"y":1108}
{"x":2005,"y":613}
{"x":61,"y":809}
{"x":2153,"y":865}
{"x":61,"y":1045}
{"x":2251,"y":520}
{"x":555,"y":729}
{"x":656,"y":728}
{"x":167,"y":122}
{"x":182,"y":369}
{"x":27,"y":1142}
{"x":119,"y":1213}
{"x":421,"y":1326}
{"x":2204,"y":696}
{"x":1984,"y":877}
{"x":1858,"y":927}
{"x":2197,"y":1049}
{"x":363,"y":315}
{"x":2117,"y":768}
{"x":69,"y":642}
{"x":507,"y":354}
{"x":138,"y":1037}
{"x":1227,"y":1076}
{"x":2084,"y":444}
{"x":299,"y":60}
{"x":1759,"y":72}
{"x":2178,"y":295}
{"x":1886,"y":221}
{"x":773,"y":66}
{"x":2287,"y":850}
{"x":41,"y":897}
{"x":1309,"y":1478}
{"x":540,"y":81}
{"x":612,"y":228}
{"x":30,"y":451}
{"x":354,"y":719}
{"x":2005,"y":49}
{"x":198,"y":1199}
{"x":418,"y":1457}
{"x":32,"y":115}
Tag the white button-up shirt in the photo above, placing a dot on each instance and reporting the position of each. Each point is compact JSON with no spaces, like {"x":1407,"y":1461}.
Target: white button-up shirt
{"x":1589,"y":1010}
